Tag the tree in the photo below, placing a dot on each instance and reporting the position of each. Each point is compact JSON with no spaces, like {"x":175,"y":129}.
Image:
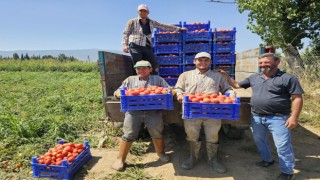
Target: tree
{"x":15,"y":56}
{"x":22,"y":57}
{"x":26,"y":56}
{"x":283,"y":24}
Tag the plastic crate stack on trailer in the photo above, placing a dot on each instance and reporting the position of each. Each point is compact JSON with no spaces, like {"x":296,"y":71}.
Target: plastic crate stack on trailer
{"x":168,"y":50}
{"x":197,"y":38}
{"x":224,"y":50}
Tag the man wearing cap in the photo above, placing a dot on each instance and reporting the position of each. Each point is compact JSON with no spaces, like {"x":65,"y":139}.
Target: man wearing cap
{"x":137,"y":36}
{"x":202,"y":81}
{"x":134,"y":119}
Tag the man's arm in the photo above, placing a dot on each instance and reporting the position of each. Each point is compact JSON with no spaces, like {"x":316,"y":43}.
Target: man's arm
{"x":166,"y":26}
{"x":297,"y":102}
{"x":180,"y":87}
{"x":231,"y":81}
{"x":126,"y":34}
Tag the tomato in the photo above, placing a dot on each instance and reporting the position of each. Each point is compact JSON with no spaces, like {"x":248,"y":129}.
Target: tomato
{"x":47,"y":162}
{"x":215,"y":100}
{"x":214,"y":95}
{"x":75,"y":154}
{"x":58,"y":163}
{"x":41,"y":161}
{"x":206,"y":100}
{"x":79,"y":150}
{"x":71,"y":159}
{"x":67,"y":148}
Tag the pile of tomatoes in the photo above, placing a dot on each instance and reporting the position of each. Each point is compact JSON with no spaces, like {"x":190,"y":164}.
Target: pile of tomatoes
{"x":67,"y":151}
{"x":210,"y":98}
{"x":201,"y":30}
{"x":146,"y":91}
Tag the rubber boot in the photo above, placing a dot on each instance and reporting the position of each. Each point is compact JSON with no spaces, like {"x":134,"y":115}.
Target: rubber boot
{"x":212,"y":152}
{"x":194,"y":155}
{"x":122,"y":155}
{"x":159,"y":147}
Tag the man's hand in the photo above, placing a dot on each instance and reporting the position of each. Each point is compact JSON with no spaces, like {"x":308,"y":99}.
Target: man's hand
{"x":180,"y":98}
{"x":291,"y":122}
{"x":126,"y":49}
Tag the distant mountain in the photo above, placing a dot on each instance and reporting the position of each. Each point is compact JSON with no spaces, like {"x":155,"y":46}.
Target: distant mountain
{"x":89,"y":55}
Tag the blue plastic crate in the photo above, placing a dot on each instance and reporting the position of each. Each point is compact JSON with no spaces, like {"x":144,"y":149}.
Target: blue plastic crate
{"x":197,"y":26}
{"x":224,"y":35}
{"x":197,"y":47}
{"x":224,"y":58}
{"x":192,"y":110}
{"x":188,"y":59}
{"x":188,"y":68}
{"x":169,"y":37}
{"x":228,"y":68}
{"x":197,"y":36}
{"x":146,"y":102}
{"x":168,"y":48}
{"x":170,"y":59}
{"x":169,"y":71}
{"x":171,"y":81}
{"x":224,"y":47}
{"x":64,"y":171}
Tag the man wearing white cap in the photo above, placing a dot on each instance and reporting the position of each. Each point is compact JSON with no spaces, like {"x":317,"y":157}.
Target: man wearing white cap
{"x":137,"y":36}
{"x":202,"y":81}
{"x":133,"y":119}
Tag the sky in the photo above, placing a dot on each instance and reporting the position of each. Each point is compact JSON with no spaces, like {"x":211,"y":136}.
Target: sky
{"x":98,"y":24}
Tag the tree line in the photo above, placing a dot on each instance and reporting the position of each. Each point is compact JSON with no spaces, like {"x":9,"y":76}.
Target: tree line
{"x":60,"y":57}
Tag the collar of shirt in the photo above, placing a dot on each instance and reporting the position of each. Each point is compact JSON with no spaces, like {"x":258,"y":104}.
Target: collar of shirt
{"x":278,"y":73}
{"x":198,"y":71}
{"x":140,"y":79}
{"x":139,"y":18}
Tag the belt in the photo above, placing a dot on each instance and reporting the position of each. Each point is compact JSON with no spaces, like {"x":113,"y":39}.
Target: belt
{"x":276,"y":114}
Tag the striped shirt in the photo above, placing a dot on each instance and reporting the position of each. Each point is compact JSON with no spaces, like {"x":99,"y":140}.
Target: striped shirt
{"x":137,"y":82}
{"x":133,"y":32}
{"x":196,"y":83}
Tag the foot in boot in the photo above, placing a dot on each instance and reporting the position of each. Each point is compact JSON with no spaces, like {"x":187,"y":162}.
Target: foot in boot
{"x":189,"y":163}
{"x":164,"y":157}
{"x":118,"y":165}
{"x":218,"y":167}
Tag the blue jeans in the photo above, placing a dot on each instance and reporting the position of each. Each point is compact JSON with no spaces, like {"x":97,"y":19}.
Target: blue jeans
{"x":260,"y":127}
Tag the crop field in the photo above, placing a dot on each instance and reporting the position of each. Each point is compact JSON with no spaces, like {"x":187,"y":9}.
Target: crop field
{"x":42,"y":102}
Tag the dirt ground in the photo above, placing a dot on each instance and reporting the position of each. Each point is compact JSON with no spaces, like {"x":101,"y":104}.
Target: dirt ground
{"x":238,"y":153}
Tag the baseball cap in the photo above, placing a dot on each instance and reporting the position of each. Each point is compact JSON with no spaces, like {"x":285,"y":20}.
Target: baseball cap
{"x":143,"y":6}
{"x":142,"y":63}
{"x":203,"y":54}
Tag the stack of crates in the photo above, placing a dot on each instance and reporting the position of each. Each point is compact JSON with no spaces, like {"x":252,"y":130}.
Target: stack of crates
{"x":224,"y":50}
{"x":197,"y":38}
{"x":168,"y":48}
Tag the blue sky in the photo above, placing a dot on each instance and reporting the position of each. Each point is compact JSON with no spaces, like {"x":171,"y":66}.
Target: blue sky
{"x":98,"y":24}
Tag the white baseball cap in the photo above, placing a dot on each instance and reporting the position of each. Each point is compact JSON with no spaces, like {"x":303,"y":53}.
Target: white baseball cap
{"x":143,"y":6}
{"x":142,"y":63}
{"x":203,"y":54}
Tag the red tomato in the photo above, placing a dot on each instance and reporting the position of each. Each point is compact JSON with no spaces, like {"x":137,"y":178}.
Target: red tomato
{"x":71,"y":159}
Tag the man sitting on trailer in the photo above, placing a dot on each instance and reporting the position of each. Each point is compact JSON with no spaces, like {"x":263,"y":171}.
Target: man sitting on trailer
{"x":134,"y":119}
{"x":202,"y":81}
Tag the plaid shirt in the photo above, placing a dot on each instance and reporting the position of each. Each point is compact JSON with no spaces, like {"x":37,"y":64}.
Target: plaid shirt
{"x":133,"y":32}
{"x":194,"y":82}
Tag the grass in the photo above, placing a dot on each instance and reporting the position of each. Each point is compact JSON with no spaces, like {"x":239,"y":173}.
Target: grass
{"x":133,"y":173}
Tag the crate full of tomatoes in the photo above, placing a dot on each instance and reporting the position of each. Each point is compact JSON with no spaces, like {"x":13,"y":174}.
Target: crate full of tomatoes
{"x":211,"y":106}
{"x":151,"y":98}
{"x":62,"y":161}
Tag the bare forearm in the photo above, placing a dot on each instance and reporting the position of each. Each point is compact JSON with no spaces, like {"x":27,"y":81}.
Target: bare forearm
{"x":297,"y":103}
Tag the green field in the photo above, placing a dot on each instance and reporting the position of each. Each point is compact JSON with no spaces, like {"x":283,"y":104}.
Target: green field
{"x":44,"y":101}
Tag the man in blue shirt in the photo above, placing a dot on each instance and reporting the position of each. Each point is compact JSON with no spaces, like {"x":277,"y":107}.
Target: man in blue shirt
{"x":274,"y":92}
